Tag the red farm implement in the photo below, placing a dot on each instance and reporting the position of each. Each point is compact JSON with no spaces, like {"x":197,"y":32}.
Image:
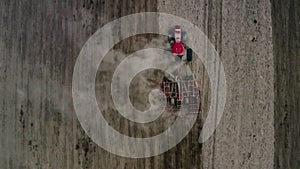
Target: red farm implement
{"x":183,"y":95}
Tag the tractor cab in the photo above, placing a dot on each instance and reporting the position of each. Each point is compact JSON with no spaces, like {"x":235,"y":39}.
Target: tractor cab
{"x":177,"y":34}
{"x":177,"y":39}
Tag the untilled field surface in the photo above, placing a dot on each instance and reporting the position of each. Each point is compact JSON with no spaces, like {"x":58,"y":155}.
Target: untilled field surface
{"x":241,"y":33}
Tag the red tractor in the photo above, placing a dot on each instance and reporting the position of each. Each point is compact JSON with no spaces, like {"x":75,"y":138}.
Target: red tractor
{"x":183,"y":94}
{"x":177,"y":39}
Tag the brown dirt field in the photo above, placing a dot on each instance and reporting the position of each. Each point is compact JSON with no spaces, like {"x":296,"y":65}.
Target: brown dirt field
{"x":41,"y":40}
